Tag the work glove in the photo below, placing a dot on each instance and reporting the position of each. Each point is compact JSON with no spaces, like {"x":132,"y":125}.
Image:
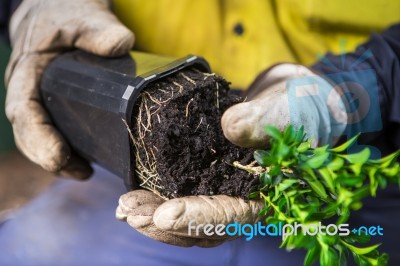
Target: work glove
{"x":174,"y":221}
{"x":39,"y":31}
{"x":287,"y":94}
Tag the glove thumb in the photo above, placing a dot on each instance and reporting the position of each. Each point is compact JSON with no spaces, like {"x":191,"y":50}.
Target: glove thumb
{"x":103,"y":34}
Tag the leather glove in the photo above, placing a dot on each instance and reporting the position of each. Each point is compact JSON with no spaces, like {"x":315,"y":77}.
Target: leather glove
{"x":287,"y":94}
{"x":39,"y":31}
{"x":169,"y":221}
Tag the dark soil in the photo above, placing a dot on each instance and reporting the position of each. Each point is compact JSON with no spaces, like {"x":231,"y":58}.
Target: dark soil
{"x":180,"y":146}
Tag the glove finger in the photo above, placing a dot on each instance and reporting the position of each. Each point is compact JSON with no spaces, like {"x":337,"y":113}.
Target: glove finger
{"x":103,"y":34}
{"x":33,"y":132}
{"x":138,"y":203}
{"x":153,"y":232}
{"x":137,"y":209}
{"x":238,"y":124}
{"x":175,"y":215}
{"x":77,"y":168}
{"x":243,"y":123}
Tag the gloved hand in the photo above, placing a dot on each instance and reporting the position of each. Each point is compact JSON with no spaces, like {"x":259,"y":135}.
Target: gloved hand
{"x":39,"y":31}
{"x":287,"y":94}
{"x":168,"y":221}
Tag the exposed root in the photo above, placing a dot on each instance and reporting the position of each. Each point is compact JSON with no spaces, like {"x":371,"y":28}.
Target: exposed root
{"x":187,"y":107}
{"x":155,"y":100}
{"x":145,"y":134}
{"x":178,"y":85}
{"x":145,"y":158}
{"x":217,"y":85}
{"x":187,"y":78}
{"x":206,"y":75}
{"x":257,"y":170}
{"x":145,"y":169}
{"x":201,"y":120}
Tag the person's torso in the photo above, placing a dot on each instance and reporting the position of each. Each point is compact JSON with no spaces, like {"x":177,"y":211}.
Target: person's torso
{"x":241,"y":38}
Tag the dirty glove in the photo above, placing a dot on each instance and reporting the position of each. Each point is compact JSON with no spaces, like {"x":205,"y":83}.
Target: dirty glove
{"x":169,"y":221}
{"x":287,"y":94}
{"x":39,"y":31}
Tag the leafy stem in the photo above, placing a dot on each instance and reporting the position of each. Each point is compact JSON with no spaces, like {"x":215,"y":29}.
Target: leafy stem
{"x":304,"y":185}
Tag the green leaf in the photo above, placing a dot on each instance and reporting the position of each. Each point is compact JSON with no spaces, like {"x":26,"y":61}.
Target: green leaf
{"x":254,"y":195}
{"x":274,"y":171}
{"x":322,"y":149}
{"x":289,"y":134}
{"x":345,"y":145}
{"x":342,"y":255}
{"x":382,"y":182}
{"x":277,"y":179}
{"x":373,"y":180}
{"x":316,"y":161}
{"x":335,"y":164}
{"x":285,"y":184}
{"x":363,"y":238}
{"x":317,"y":216}
{"x":360,"y":193}
{"x":373,"y":254}
{"x":356,"y":168}
{"x":281,"y":203}
{"x":327,"y":177}
{"x":299,"y":241}
{"x":290,"y":174}
{"x":282,"y":151}
{"x":315,"y":184}
{"x":304,"y":147}
{"x":291,"y":193}
{"x":385,"y":161}
{"x":262,"y":157}
{"x":265,"y":179}
{"x":329,"y":257}
{"x":264,"y":212}
{"x":313,"y":201}
{"x":359,"y":157}
{"x":277,"y":194}
{"x":361,"y":261}
{"x":361,"y":251}
{"x":393,"y":171}
{"x":356,"y":205}
{"x":312,"y":255}
{"x":300,"y":134}
{"x":349,"y":181}
{"x":273,"y":132}
{"x":383,"y":259}
{"x":328,"y":239}
{"x":343,"y":216}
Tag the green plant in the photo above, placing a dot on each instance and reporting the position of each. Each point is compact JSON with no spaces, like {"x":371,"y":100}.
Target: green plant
{"x":305,"y":185}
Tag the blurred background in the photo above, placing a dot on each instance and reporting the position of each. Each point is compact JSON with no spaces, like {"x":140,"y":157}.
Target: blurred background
{"x":20,"y":180}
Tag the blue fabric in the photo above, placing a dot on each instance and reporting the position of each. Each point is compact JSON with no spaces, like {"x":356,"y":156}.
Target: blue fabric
{"x":73,"y":224}
{"x":381,"y":56}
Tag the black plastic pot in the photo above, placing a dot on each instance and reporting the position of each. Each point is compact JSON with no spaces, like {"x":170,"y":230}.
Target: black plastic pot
{"x":89,"y":98}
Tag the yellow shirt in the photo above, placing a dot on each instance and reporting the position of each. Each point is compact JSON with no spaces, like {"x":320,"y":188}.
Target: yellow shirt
{"x":240,"y":38}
